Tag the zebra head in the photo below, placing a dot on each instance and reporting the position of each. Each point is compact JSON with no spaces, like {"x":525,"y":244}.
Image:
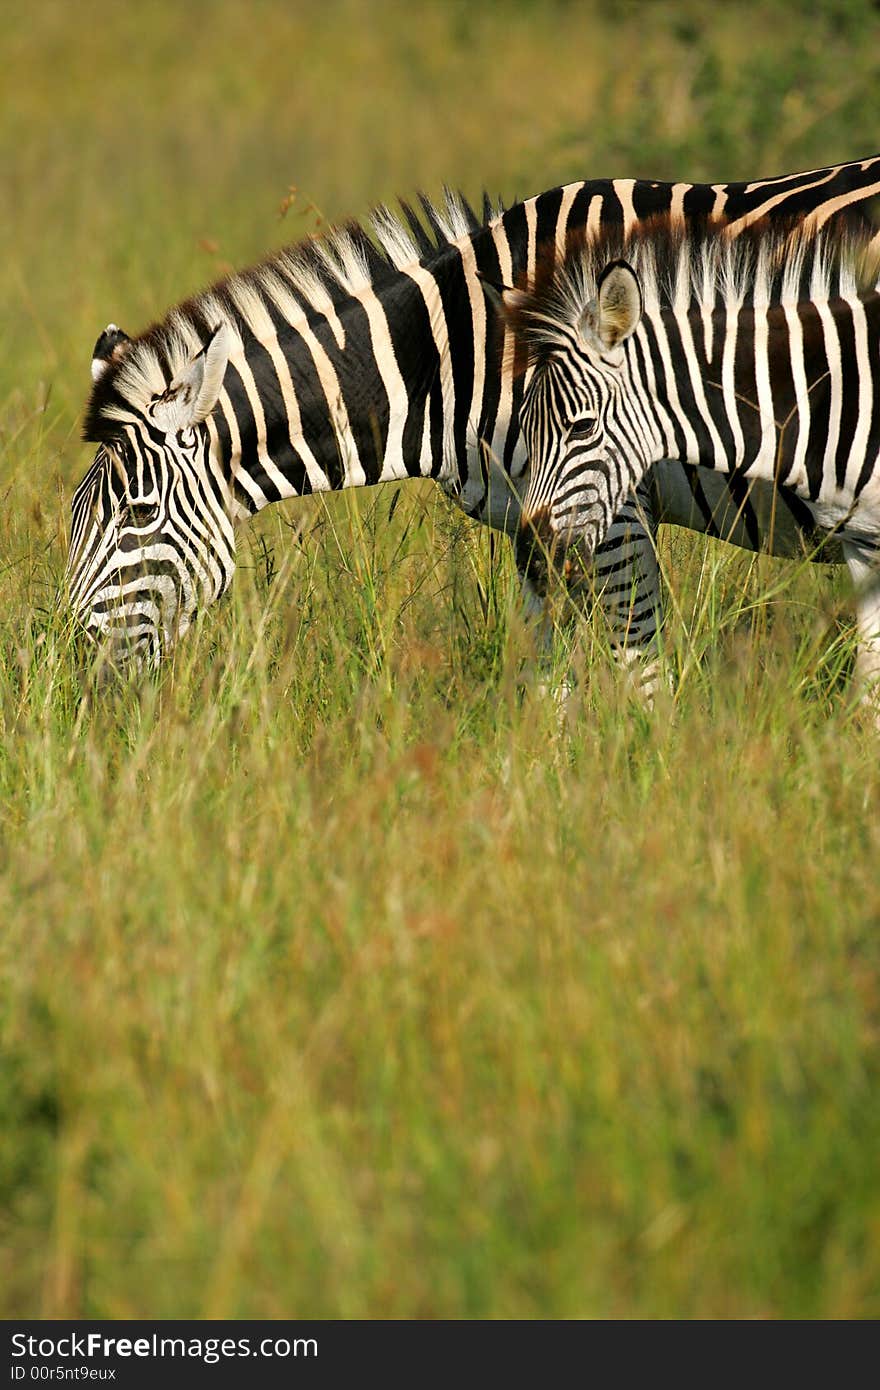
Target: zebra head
{"x":586,"y":446}
{"x":151,"y":539}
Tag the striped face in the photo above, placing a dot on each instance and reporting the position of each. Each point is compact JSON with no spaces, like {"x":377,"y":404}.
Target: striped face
{"x":151,"y":541}
{"x":586,"y":448}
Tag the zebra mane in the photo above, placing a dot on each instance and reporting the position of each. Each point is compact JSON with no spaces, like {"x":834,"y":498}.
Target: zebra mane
{"x":311,"y":278}
{"x":686,"y":266}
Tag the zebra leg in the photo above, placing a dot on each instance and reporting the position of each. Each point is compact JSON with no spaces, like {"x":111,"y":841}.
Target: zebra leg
{"x":627,"y":584}
{"x":863,"y":561}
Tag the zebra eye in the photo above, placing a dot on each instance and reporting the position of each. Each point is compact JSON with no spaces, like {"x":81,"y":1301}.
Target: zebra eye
{"x":141,"y":514}
{"x":581,"y":427}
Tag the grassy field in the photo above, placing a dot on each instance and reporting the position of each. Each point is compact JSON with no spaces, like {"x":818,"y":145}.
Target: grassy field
{"x":338,"y":978}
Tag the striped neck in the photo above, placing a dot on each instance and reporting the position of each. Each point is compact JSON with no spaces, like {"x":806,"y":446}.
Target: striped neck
{"x":768,"y":376}
{"x":358,"y":395}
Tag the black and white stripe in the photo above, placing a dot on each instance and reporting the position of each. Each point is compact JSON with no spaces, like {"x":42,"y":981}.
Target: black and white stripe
{"x":368,"y":356}
{"x":757,"y":358}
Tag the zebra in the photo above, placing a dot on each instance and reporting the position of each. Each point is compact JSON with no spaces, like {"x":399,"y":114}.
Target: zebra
{"x":371,"y":355}
{"x":756,"y":357}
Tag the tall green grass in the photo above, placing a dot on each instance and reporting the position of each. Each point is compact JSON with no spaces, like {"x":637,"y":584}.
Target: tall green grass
{"x":341,"y":975}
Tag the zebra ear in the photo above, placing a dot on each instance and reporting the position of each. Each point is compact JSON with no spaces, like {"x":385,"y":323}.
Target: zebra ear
{"x":614,"y":314}
{"x":193,"y":394}
{"x":111,"y":345}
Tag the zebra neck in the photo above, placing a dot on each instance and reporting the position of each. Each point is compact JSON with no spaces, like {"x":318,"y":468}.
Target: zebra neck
{"x":383,"y":387}
{"x":776,"y":391}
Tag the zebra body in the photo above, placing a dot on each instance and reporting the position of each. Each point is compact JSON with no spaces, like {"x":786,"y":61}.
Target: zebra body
{"x":757,"y":358}
{"x":366,"y":357}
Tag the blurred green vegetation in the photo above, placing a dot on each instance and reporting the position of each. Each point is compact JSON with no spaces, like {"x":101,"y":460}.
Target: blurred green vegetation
{"x":336,"y":979}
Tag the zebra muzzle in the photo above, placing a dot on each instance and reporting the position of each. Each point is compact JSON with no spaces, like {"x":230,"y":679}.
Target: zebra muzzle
{"x":542,"y":549}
